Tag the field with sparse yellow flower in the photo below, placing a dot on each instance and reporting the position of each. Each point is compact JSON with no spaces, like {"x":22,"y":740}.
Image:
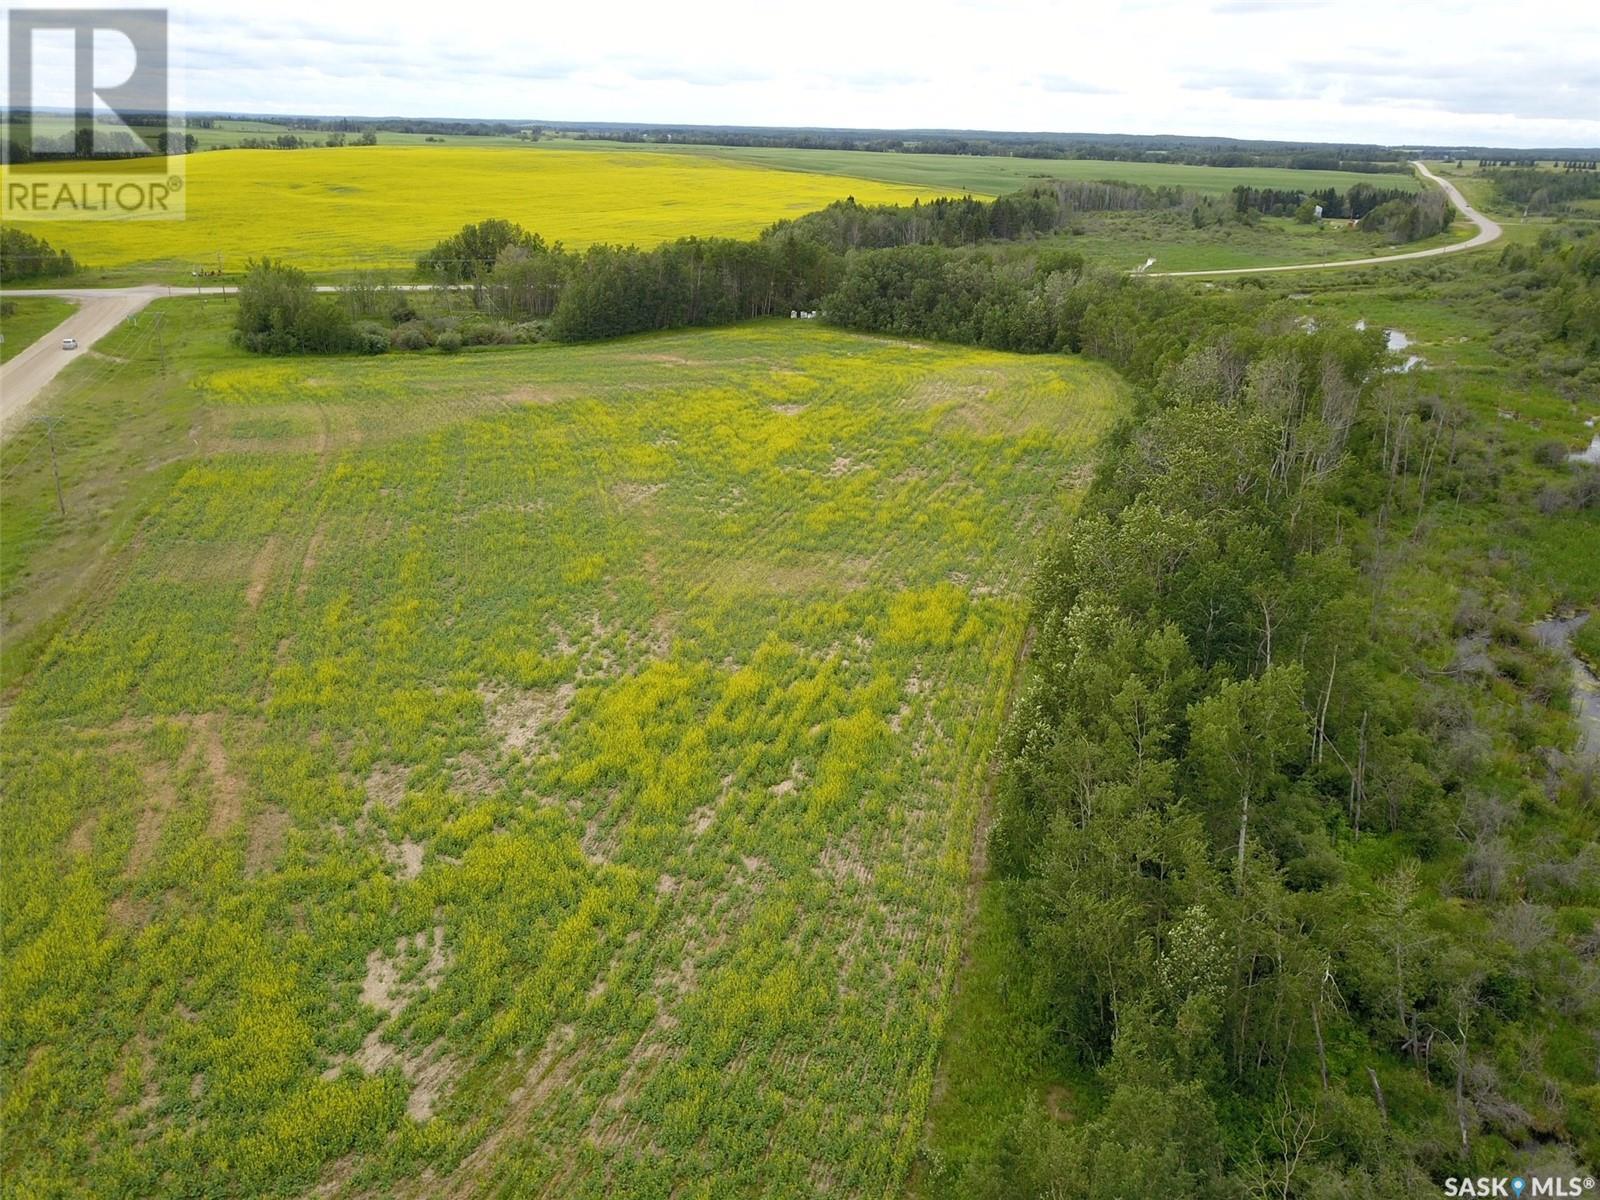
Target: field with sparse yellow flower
{"x":543,"y":770}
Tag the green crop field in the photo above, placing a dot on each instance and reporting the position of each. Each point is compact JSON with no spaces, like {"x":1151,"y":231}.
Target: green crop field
{"x":993,"y":175}
{"x":542,"y":768}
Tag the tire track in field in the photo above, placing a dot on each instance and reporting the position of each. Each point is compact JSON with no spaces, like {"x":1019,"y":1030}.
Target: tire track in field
{"x":978,"y":870}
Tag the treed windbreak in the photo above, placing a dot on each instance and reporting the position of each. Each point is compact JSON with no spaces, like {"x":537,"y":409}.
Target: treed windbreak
{"x":1235,"y":796}
{"x":932,"y":270}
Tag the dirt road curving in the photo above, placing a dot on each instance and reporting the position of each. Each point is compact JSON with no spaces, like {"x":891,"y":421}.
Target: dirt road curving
{"x":1488,"y":231}
{"x":100,"y":310}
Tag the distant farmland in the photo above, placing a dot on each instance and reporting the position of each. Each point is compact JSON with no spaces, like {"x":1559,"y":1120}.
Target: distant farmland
{"x":548,"y":770}
{"x":993,"y":176}
{"x":377,"y":206}
{"x":347,"y":208}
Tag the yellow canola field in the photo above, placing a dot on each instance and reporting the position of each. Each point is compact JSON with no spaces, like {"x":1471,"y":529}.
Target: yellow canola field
{"x":378,"y":206}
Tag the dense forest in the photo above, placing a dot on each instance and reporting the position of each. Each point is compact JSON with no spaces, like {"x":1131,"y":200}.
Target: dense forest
{"x":1275,"y":880}
{"x":1265,"y":867}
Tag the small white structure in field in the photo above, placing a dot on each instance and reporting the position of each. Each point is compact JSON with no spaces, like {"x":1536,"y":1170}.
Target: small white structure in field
{"x":1317,"y":212}
{"x":1148,"y":263}
{"x":793,"y":313}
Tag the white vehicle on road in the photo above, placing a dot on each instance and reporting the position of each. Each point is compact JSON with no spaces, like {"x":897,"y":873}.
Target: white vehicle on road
{"x":69,"y":343}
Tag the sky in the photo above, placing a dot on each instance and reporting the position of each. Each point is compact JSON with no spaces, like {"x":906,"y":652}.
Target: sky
{"x":1388,"y":71}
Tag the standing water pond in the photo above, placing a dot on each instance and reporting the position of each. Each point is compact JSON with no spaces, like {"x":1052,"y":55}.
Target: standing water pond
{"x":1556,"y":633}
{"x":1398,"y":343}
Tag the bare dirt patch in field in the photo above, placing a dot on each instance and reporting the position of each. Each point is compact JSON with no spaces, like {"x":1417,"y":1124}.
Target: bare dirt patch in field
{"x":471,"y":775}
{"x":842,"y":465}
{"x":634,"y":494}
{"x":845,"y":863}
{"x":520,"y":718}
{"x":671,"y":360}
{"x":406,"y":857}
{"x":268,"y":830}
{"x":160,"y":798}
{"x":81,"y":840}
{"x":386,"y":787}
{"x":847,"y":572}
{"x":388,"y":987}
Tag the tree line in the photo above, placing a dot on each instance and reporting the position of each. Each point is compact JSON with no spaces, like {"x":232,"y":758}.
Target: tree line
{"x":1546,"y":191}
{"x":1216,"y":723}
{"x":1411,"y":217}
{"x":1211,"y":152}
{"x":858,"y":262}
{"x":24,"y":256}
{"x":290,"y":141}
{"x":1564,"y":276}
{"x":1037,"y":210}
{"x":1352,"y":204}
{"x":357,"y":125}
{"x":86,"y":142}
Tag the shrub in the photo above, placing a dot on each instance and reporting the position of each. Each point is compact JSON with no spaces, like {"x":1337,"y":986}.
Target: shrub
{"x":485,"y":333}
{"x":413,"y":335}
{"x":371,"y":338}
{"x":448,"y":342}
{"x":280,"y":312}
{"x":1550,"y":453}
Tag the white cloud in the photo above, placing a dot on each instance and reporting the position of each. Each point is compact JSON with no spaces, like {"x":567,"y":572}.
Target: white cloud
{"x":1356,"y":70}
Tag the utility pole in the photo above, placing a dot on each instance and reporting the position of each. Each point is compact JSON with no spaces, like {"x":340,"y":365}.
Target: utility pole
{"x":50,"y":434}
{"x":161,"y":344}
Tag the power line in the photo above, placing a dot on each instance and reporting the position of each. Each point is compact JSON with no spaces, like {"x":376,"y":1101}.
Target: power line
{"x":99,"y":372}
{"x":50,"y":432}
